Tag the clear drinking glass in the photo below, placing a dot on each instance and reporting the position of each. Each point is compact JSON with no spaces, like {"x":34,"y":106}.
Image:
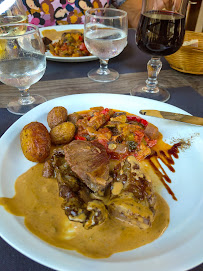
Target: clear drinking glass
{"x":160,"y":32}
{"x":22,"y":63}
{"x":12,"y":11}
{"x":105,"y":36}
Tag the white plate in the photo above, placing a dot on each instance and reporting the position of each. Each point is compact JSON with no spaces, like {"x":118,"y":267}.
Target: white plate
{"x":179,"y":248}
{"x":66,"y":59}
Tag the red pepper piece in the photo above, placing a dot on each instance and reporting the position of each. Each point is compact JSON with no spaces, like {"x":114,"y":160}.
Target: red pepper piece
{"x":80,"y":38}
{"x":152,"y":143}
{"x":82,"y":46}
{"x":144,"y":122}
{"x":138,"y":119}
{"x":77,"y":137}
{"x":64,"y":47}
{"x":133,"y":118}
{"x":138,"y":136}
{"x":105,"y":111}
{"x":104,"y":142}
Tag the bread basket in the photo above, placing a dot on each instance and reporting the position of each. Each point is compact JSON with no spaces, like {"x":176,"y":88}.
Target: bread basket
{"x":189,"y":58}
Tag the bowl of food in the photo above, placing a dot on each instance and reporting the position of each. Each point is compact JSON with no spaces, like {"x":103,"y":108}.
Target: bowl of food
{"x":65,"y":43}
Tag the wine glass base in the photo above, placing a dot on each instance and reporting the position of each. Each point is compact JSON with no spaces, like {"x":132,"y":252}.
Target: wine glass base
{"x":111,"y":76}
{"x":161,"y":95}
{"x":19,"y":109}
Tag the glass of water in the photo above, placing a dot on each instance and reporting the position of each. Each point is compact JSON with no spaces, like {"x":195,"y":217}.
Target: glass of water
{"x":105,"y":36}
{"x":22,"y":63}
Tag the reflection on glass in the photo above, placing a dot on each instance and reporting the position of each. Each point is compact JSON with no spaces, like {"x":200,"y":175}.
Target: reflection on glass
{"x":12,"y":11}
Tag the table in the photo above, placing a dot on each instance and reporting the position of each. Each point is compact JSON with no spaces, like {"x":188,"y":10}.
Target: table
{"x":70,"y":78}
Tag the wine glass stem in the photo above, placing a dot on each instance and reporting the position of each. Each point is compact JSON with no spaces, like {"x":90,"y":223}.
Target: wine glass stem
{"x":103,"y":69}
{"x":25,"y":97}
{"x":153,"y":66}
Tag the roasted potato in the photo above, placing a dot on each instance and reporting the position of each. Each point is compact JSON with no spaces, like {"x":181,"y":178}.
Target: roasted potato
{"x":56,"y":116}
{"x":62,"y":133}
{"x":35,"y":142}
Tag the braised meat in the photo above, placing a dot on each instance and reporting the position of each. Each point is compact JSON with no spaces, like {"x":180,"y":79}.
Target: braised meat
{"x":78,"y":203}
{"x":128,"y":197}
{"x":152,"y":131}
{"x":136,"y":200}
{"x":99,"y":172}
{"x":46,"y":41}
{"x":90,"y":162}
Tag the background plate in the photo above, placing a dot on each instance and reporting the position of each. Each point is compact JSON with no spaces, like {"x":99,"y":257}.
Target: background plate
{"x":49,"y":56}
{"x":179,"y":248}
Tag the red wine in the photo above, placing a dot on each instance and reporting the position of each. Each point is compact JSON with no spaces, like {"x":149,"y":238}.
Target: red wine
{"x":160,"y":33}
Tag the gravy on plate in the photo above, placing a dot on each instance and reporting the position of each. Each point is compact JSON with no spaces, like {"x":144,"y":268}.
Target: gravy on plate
{"x":37,"y":200}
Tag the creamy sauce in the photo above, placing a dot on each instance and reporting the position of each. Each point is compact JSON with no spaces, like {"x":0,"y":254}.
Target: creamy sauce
{"x":52,"y":34}
{"x":37,"y":200}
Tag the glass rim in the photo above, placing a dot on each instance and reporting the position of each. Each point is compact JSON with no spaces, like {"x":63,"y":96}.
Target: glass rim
{"x":33,"y":30}
{"x":122,"y":13}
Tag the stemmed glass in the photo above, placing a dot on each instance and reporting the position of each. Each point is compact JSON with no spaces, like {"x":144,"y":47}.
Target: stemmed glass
{"x":12,"y":11}
{"x":105,"y":36}
{"x":22,"y":63}
{"x":160,"y":32}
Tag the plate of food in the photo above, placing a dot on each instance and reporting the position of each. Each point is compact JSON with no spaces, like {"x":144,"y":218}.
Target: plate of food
{"x":86,"y":183}
{"x":65,"y":43}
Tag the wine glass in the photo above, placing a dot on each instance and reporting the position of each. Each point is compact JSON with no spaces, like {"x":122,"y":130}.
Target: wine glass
{"x":12,"y":11}
{"x":22,"y":63}
{"x":160,"y":32}
{"x":105,"y":36}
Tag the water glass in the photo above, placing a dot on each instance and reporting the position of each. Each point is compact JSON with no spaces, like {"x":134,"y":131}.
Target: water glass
{"x":105,"y":36}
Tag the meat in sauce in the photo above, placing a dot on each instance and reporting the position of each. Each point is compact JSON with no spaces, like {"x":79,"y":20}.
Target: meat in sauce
{"x":100,"y":177}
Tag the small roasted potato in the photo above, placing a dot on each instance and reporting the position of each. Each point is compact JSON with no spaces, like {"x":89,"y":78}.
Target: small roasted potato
{"x":56,"y":116}
{"x":35,"y":142}
{"x":62,"y":133}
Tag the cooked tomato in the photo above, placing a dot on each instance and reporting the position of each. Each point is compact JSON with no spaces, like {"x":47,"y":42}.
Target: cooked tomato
{"x":70,"y":45}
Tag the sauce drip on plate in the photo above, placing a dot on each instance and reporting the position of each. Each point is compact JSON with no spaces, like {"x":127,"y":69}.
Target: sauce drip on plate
{"x":164,"y":153}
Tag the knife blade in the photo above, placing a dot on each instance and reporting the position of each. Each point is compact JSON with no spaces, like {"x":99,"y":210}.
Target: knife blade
{"x":173,"y":116}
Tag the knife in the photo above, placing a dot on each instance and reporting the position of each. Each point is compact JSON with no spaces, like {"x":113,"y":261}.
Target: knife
{"x":173,"y":116}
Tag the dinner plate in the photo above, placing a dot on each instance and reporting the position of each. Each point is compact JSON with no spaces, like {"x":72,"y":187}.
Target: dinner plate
{"x":66,"y":59}
{"x":179,"y":248}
